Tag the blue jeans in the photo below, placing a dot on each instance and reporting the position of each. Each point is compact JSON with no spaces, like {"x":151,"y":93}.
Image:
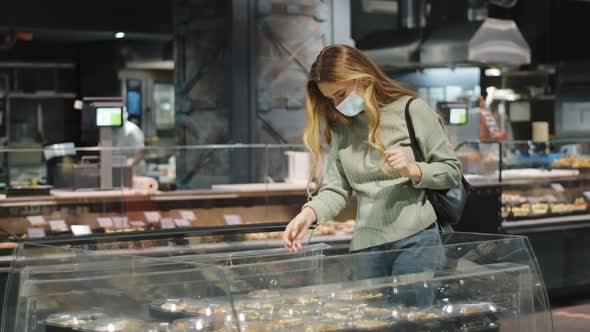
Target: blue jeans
{"x":419,"y":253}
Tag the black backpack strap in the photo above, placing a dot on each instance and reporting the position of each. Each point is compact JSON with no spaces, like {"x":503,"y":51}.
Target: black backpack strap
{"x":413,"y":141}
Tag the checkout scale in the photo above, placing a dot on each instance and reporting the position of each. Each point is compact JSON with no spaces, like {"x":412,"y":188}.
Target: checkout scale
{"x":104,"y":171}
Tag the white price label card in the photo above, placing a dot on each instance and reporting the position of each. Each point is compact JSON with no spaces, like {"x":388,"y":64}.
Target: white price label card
{"x":81,"y":229}
{"x":188,"y":215}
{"x":167,"y":223}
{"x":137,"y":223}
{"x":120,"y":222}
{"x":36,"y":220}
{"x":587,"y":194}
{"x":233,"y":219}
{"x":557,"y":187}
{"x":152,"y":216}
{"x":58,"y":226}
{"x":36,"y":232}
{"x":182,"y":223}
{"x":104,"y":222}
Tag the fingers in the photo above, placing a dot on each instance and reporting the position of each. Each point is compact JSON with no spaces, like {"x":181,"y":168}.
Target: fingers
{"x":393,"y":152}
{"x":400,"y":162}
{"x":286,"y":237}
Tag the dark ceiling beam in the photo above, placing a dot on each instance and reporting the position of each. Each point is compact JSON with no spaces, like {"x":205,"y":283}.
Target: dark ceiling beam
{"x":104,"y":15}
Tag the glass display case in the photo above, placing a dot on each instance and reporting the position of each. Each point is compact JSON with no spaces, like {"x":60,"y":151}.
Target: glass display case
{"x":541,"y":190}
{"x":483,"y":283}
{"x":62,"y":196}
{"x":542,"y":184}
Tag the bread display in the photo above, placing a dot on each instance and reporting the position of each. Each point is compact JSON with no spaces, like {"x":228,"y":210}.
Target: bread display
{"x":515,"y":205}
{"x":572,"y":162}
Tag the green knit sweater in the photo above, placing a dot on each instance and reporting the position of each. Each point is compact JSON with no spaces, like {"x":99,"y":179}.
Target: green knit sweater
{"x":390,"y":207}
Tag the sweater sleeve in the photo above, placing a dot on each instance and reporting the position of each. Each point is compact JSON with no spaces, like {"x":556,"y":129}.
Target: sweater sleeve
{"x":441,"y":169}
{"x":335,"y":191}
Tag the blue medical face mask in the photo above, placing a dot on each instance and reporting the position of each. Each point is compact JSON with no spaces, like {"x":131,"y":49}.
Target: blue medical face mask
{"x":352,"y":105}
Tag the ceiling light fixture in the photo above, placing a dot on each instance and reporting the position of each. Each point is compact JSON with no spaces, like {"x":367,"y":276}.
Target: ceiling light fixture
{"x":120,"y":35}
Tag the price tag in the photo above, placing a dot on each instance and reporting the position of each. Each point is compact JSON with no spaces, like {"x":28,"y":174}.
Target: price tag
{"x":557,"y":187}
{"x":153,"y":216}
{"x":58,"y":226}
{"x":550,"y":198}
{"x":36,"y":232}
{"x":105,"y":222}
{"x":167,"y":223}
{"x":36,"y":220}
{"x":188,"y":215}
{"x":137,"y":223}
{"x":120,"y":222}
{"x":233,"y":219}
{"x":587,"y":194}
{"x":182,"y":223}
{"x":81,"y":229}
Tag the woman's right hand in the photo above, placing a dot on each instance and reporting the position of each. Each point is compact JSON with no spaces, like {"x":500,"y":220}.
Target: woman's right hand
{"x":297,"y":228}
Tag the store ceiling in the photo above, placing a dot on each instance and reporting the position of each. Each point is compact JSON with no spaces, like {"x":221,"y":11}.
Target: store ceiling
{"x":86,"y":21}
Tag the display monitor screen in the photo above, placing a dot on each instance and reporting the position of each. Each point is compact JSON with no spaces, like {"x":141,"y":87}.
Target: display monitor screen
{"x":109,"y":116}
{"x":458,"y":116}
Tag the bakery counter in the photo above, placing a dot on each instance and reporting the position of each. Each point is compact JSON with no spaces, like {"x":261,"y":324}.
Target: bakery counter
{"x":74,"y":214}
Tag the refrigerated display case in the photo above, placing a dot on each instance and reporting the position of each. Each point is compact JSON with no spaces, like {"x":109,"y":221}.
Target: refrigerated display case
{"x":483,"y":283}
{"x":542,"y":184}
{"x":210,"y":196}
{"x":537,"y":189}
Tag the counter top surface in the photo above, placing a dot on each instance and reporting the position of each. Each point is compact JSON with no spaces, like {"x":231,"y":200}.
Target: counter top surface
{"x":217,"y":191}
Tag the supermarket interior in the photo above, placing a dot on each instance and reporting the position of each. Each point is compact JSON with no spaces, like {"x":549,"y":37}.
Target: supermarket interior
{"x":153,"y":153}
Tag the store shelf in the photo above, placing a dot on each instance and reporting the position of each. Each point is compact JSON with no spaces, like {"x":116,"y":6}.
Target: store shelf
{"x":41,"y":95}
{"x":37,"y":65}
{"x":491,"y":180}
{"x":547,"y":224}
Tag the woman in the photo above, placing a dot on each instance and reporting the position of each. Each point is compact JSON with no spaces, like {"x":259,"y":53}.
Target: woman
{"x":359,"y":112}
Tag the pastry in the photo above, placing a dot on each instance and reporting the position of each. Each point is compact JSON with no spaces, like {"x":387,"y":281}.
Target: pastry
{"x":73,"y":319}
{"x":381,"y":312}
{"x":173,"y":307}
{"x":539,"y":208}
{"x":264,"y":294}
{"x":302,"y":299}
{"x":189,"y":325}
{"x":357,"y":296}
{"x":371,"y":324}
{"x":421,"y":315}
{"x":115,"y":325}
{"x":213,"y":310}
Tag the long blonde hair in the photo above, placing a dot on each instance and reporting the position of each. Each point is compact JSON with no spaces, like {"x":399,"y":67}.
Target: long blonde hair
{"x":339,"y":64}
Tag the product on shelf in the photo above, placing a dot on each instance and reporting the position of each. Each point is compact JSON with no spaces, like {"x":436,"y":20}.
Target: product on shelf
{"x":327,"y":228}
{"x":419,"y":315}
{"x":371,"y":324}
{"x":71,"y":319}
{"x":358,"y":296}
{"x":572,"y":162}
{"x":264,"y":294}
{"x":264,"y":310}
{"x":190,"y":325}
{"x":512,"y":199}
{"x":519,"y":206}
{"x":115,"y":325}
{"x":539,"y":209}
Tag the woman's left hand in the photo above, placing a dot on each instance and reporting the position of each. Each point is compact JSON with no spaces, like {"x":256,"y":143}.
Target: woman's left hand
{"x":397,"y":160}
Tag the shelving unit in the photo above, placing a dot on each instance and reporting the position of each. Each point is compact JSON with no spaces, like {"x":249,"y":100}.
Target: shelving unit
{"x":28,"y":86}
